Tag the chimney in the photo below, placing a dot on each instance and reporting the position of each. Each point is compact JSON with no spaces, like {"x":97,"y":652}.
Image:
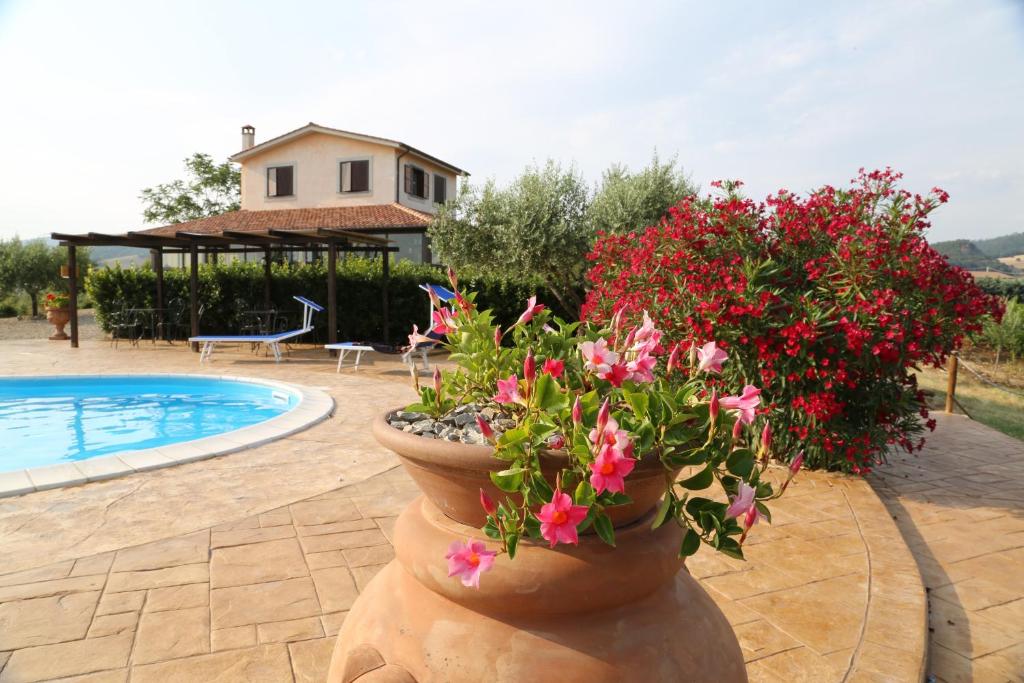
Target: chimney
{"x":248,"y":137}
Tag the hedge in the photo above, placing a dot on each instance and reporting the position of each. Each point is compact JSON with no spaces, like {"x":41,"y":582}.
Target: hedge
{"x":227,"y":290}
{"x":1011,"y":289}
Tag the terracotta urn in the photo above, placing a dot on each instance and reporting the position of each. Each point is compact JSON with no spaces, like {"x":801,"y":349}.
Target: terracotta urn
{"x":573,"y":613}
{"x":58,"y":317}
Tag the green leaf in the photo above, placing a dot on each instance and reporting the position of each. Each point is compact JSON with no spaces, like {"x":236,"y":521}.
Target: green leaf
{"x":645,"y":436}
{"x":699,"y":481}
{"x":512,"y":541}
{"x":691,"y":543}
{"x":588,"y":520}
{"x":616,"y":499}
{"x":514,"y":437}
{"x":740,"y":462}
{"x":639,"y":402}
{"x":765,"y":512}
{"x":532,"y":526}
{"x":666,"y":509}
{"x":584,"y":494}
{"x":730,"y":547}
{"x":541,"y":486}
{"x":603,"y":527}
{"x":549,"y":396}
{"x":491,"y":529}
{"x":509,"y":480}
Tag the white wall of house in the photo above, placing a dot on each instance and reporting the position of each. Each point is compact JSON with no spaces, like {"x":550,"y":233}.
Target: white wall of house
{"x":316,"y":159}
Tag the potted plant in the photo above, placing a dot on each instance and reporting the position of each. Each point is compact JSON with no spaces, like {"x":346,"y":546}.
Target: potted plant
{"x":58,"y":314}
{"x":563,"y":468}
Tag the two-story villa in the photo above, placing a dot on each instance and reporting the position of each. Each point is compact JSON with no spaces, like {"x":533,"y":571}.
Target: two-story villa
{"x":319,"y":177}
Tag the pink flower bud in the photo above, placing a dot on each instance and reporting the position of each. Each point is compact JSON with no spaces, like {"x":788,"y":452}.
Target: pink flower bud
{"x":797,"y":463}
{"x":497,"y":337}
{"x":577,"y":411}
{"x":556,"y":442}
{"x":673,"y":360}
{"x":693,"y":354}
{"x":737,"y":430}
{"x":713,"y":407}
{"x":530,"y":368}
{"x":602,"y":416}
{"x":766,"y":437}
{"x":452,"y":279}
{"x":486,"y":503}
{"x":485,"y":428}
{"x":437,"y":382}
{"x":750,"y":518}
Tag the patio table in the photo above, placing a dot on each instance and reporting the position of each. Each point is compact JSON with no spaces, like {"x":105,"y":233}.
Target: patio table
{"x":148,"y":316}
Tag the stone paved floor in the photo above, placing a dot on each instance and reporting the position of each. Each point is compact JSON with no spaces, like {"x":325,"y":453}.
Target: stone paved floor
{"x":242,"y":567}
{"x":959,"y":507}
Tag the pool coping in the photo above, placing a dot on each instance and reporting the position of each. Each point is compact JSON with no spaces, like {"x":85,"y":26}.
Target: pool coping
{"x":313,"y":407}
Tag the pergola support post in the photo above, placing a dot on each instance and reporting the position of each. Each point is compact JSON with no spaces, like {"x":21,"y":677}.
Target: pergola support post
{"x":385,"y":282}
{"x":193,"y":290}
{"x":332,"y":293}
{"x":157,"y":256}
{"x":73,"y":293}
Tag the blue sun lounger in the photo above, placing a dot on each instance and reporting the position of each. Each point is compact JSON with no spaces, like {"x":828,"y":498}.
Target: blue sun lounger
{"x":273,"y":341}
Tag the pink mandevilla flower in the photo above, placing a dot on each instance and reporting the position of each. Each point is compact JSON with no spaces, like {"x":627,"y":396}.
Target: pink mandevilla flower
{"x":611,"y":436}
{"x":553,"y":367}
{"x":577,"y":411}
{"x":616,"y":374}
{"x":641,"y":370}
{"x":710,"y":358}
{"x":599,"y":358}
{"x":646,"y":337}
{"x":742,"y":501}
{"x":673,"y":359}
{"x":485,"y":428}
{"x":508,"y":390}
{"x":746,"y":403}
{"x":487,"y":503}
{"x":469,"y":560}
{"x":532,"y":309}
{"x":609,"y":469}
{"x":443,"y":322}
{"x":417,"y":338}
{"x":559,"y":518}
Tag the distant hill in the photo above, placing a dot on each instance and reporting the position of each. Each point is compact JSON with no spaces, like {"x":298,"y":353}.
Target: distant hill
{"x":998,"y":247}
{"x":966,"y":254}
{"x":126,"y":256}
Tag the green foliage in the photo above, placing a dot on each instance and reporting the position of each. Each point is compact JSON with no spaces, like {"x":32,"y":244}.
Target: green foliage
{"x":209,"y":189}
{"x":1010,"y":289}
{"x":33,"y":266}
{"x":1007,"y":335}
{"x":229,"y":289}
{"x":537,"y":225}
{"x":627,"y":201}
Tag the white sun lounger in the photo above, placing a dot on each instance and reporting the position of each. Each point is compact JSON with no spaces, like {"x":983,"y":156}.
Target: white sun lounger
{"x":273,"y":341}
{"x":343,"y":348}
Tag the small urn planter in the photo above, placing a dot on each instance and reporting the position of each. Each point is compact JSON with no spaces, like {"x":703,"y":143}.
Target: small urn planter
{"x":58,"y":317}
{"x":586,"y":612}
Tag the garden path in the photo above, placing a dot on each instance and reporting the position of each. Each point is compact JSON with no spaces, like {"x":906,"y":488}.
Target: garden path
{"x":960,"y":507}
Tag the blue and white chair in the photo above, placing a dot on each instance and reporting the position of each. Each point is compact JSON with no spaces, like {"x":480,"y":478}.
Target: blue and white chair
{"x":273,"y":341}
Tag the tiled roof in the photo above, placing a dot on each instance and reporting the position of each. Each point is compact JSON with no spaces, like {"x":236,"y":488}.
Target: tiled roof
{"x":373,"y":217}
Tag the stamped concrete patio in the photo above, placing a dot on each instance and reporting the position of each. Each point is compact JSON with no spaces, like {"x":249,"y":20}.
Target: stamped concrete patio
{"x":242,"y":567}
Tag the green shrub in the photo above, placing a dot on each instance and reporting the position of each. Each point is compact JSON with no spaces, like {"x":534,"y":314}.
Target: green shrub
{"x":227,"y":290}
{"x":1011,"y":289}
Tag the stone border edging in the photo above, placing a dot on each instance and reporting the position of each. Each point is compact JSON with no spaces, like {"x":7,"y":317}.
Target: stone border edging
{"x":896,"y":617}
{"x":313,"y":407}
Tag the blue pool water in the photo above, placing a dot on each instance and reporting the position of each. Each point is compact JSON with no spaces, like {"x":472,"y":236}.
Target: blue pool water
{"x":48,"y":420}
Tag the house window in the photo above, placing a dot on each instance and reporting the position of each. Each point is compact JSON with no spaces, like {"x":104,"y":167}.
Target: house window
{"x":415,"y":181}
{"x":355,"y":176}
{"x":440,"y":189}
{"x":280,"y":181}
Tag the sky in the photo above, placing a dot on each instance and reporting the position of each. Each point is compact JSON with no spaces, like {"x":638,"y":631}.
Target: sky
{"x":102,"y":99}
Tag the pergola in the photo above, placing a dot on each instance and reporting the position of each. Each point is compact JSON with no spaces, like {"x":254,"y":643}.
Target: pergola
{"x":212,"y":237}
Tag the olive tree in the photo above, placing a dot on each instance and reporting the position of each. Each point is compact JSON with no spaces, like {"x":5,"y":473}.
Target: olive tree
{"x":537,"y":225}
{"x":210,"y":189}
{"x":627,"y":201}
{"x":29,"y":267}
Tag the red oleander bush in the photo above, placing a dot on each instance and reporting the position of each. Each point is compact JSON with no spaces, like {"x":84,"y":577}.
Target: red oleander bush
{"x":828,"y":302}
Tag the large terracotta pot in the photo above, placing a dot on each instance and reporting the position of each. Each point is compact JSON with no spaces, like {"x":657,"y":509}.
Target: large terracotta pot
{"x":58,"y":317}
{"x":451,"y":475}
{"x":574,"y":613}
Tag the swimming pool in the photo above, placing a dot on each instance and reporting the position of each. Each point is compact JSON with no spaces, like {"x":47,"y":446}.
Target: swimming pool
{"x":98,"y":424}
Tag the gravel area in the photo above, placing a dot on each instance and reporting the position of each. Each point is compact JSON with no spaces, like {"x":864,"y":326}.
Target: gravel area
{"x":458,"y":425}
{"x":26,"y":328}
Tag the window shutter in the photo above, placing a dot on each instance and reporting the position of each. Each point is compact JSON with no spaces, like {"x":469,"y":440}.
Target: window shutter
{"x":360,"y":176}
{"x":408,"y":179}
{"x":285,"y":180}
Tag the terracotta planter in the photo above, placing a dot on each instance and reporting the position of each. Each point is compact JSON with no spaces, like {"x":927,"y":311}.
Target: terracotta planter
{"x":574,"y":613}
{"x":451,"y":475}
{"x":58,"y":317}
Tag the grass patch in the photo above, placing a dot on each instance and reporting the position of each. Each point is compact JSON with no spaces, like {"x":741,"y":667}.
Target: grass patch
{"x":986,"y":404}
